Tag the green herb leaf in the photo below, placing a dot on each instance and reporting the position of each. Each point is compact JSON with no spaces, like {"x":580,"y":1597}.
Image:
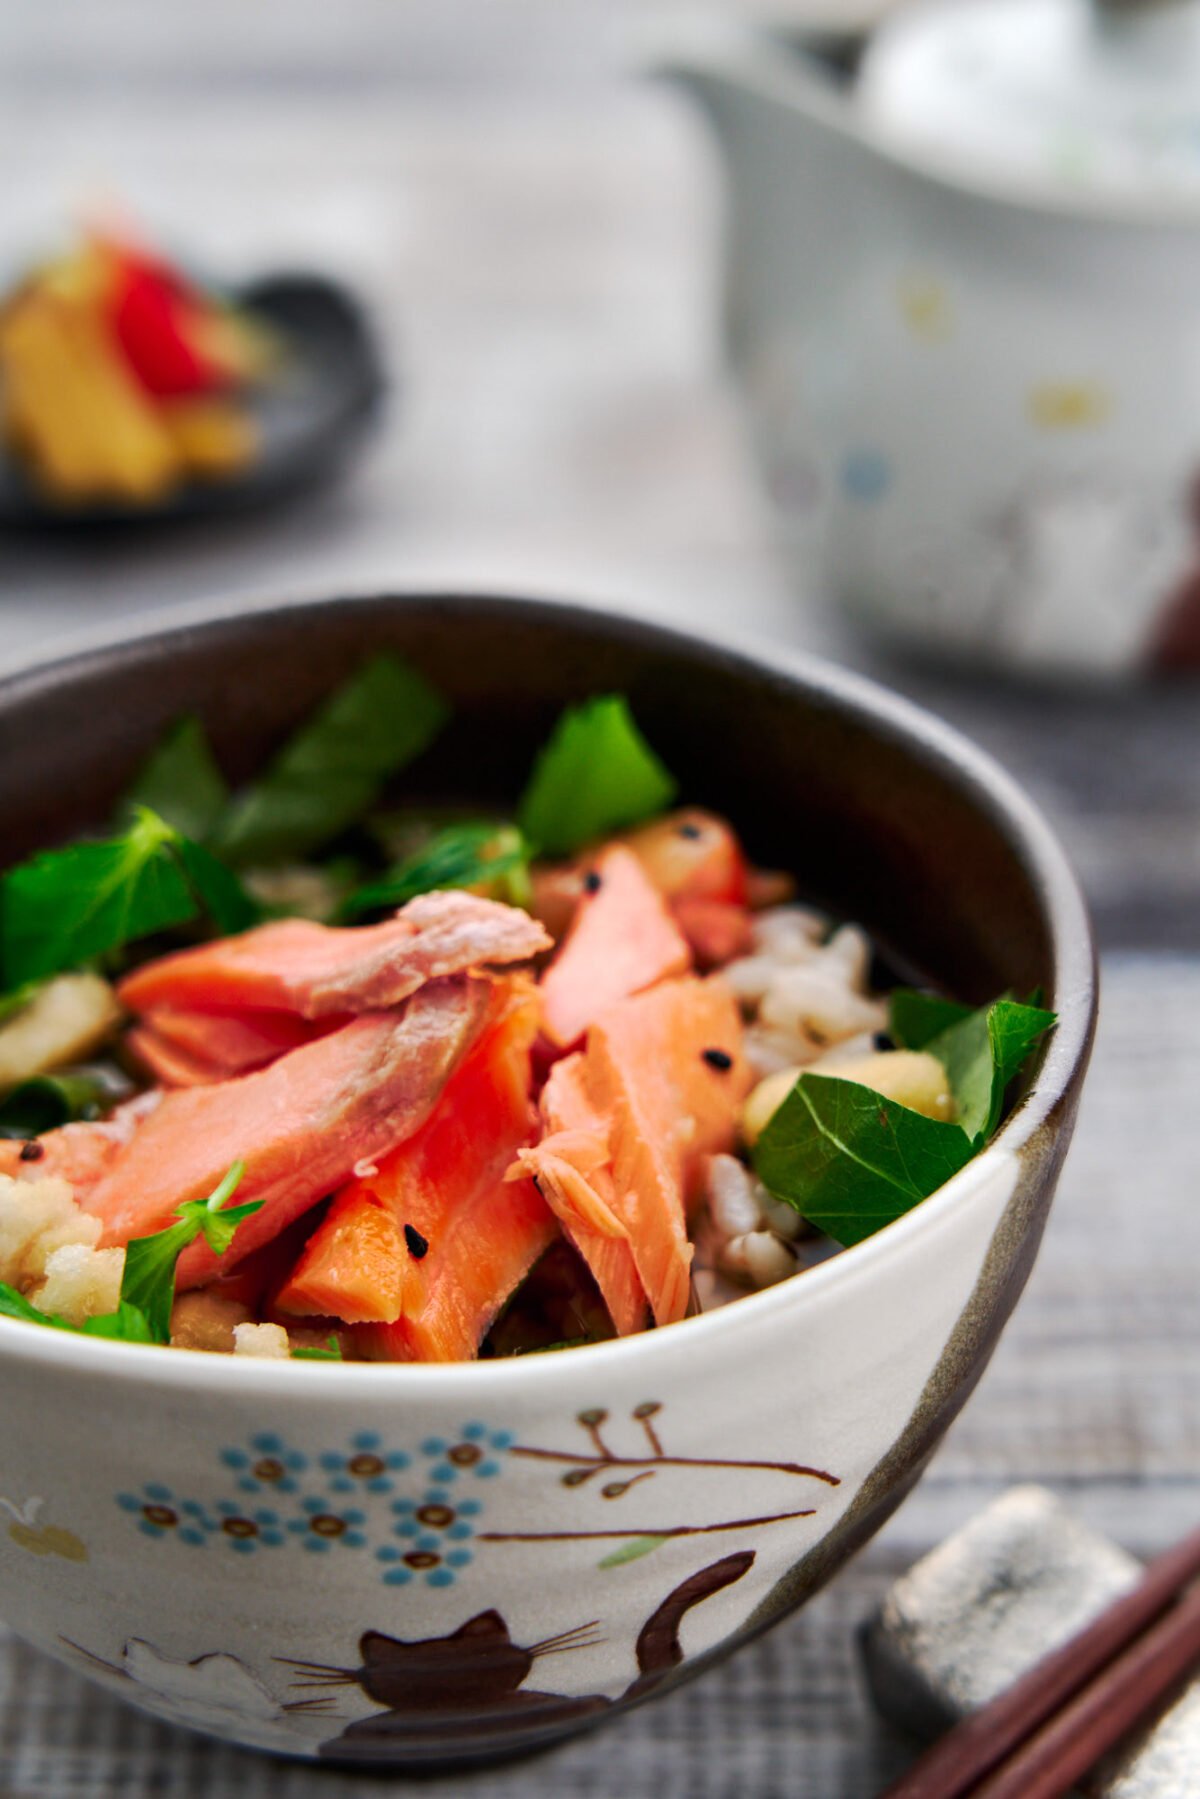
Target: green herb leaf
{"x":181,"y":782}
{"x":218,"y":1231}
{"x":333,"y":1353}
{"x":595,"y":775}
{"x":981,"y":1053}
{"x":335,"y":766}
{"x":470,"y":855}
{"x":65,"y":907}
{"x":128,"y":1324}
{"x":15,"y":1305}
{"x":218,"y":889}
{"x":965,"y":1052}
{"x":851,"y":1161}
{"x":918,"y":1017}
{"x":48,"y":1100}
{"x":401,"y":831}
{"x":213,"y":1219}
{"x":149,"y":1279}
{"x":1014,"y":1029}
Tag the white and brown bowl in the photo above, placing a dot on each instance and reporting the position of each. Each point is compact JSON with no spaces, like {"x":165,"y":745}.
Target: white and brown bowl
{"x":424,"y":1565}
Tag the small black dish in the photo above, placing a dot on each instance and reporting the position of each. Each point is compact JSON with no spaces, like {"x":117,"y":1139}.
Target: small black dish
{"x":310,"y":421}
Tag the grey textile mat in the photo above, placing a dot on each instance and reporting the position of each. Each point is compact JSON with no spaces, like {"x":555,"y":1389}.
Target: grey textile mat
{"x":1094,"y":1392}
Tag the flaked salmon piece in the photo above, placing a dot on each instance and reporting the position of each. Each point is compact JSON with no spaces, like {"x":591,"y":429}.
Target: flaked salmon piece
{"x":170,"y":1064}
{"x":691,"y":854}
{"x":667,"y":1070}
{"x":622,"y":940}
{"x":300,"y":1126}
{"x":318,"y":971}
{"x":685,"y":855}
{"x":716,"y":930}
{"x":423,"y":1252}
{"x":80,"y":1153}
{"x":191,"y":1049}
{"x":629,"y":1121}
{"x":573,"y":1168}
{"x":353,"y":1267}
{"x":692,"y":1028}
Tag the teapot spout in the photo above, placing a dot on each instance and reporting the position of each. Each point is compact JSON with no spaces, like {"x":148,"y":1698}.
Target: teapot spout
{"x":807,"y":191}
{"x":739,"y":79}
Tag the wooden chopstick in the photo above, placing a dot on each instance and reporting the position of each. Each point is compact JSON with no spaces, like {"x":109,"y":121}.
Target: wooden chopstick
{"x":1123,"y":1693}
{"x":954,"y":1767}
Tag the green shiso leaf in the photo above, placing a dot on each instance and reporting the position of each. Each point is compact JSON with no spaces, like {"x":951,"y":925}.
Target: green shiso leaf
{"x":218,"y":889}
{"x":66,"y":907}
{"x":48,"y":1100}
{"x":965,"y":1051}
{"x":596,"y":774}
{"x":180,"y":781}
{"x":468,"y":855}
{"x":332,"y":1353}
{"x":981,"y":1053}
{"x":334,"y":767}
{"x":916,"y":1018}
{"x":1015,"y":1028}
{"x":851,"y":1161}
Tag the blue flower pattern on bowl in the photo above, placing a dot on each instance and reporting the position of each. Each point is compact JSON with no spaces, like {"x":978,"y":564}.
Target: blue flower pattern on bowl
{"x":413,"y":1508}
{"x":244,"y":1530}
{"x":368,"y":1465}
{"x":268,"y":1466}
{"x":160,"y":1514}
{"x":319,"y":1528}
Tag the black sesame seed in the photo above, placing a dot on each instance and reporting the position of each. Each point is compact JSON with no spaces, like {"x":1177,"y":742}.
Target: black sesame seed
{"x":718,"y":1058}
{"x":417,"y":1244}
{"x":591,"y":881}
{"x":32,"y":1152}
{"x":690,"y":830}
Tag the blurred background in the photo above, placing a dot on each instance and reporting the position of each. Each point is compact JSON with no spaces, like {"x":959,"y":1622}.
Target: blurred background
{"x":535,"y":229}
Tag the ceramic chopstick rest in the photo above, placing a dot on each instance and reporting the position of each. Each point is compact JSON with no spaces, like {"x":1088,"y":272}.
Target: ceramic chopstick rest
{"x":977,"y":1612}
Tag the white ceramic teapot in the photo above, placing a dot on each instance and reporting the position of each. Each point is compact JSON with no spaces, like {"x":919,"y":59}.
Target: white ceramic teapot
{"x":964,"y":299}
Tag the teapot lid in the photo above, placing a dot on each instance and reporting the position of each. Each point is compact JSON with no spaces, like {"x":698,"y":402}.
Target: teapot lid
{"x":1070,"y":97}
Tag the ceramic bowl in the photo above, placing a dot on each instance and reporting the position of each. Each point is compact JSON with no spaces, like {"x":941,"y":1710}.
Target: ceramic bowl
{"x":422,"y":1565}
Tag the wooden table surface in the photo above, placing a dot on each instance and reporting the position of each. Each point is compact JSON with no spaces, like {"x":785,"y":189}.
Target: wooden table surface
{"x":536,"y":235}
